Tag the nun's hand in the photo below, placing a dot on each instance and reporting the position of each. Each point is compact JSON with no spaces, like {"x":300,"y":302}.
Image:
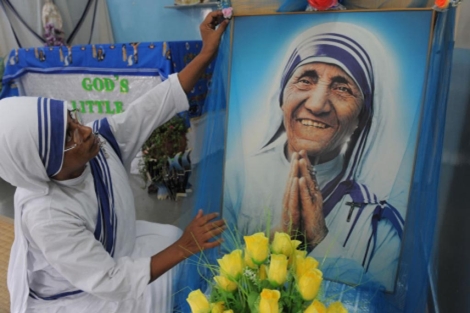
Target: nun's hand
{"x":199,"y":233}
{"x":290,"y":219}
{"x":311,"y":202}
{"x":211,"y":30}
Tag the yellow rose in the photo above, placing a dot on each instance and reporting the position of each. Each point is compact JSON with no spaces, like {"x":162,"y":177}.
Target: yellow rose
{"x":257,"y":246}
{"x":297,"y":255}
{"x":225,"y":283}
{"x":217,"y":307}
{"x":309,"y":284}
{"x":231,"y":265}
{"x":336,"y":307}
{"x":198,"y":302}
{"x":282,"y":244}
{"x":249,"y":262}
{"x":277,"y":273}
{"x":303,"y":265}
{"x":269,"y":301}
{"x":263,"y":272}
{"x":316,"y":307}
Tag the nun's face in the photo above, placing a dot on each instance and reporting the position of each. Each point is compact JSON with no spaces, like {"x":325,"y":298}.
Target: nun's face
{"x":76,"y":158}
{"x":321,"y":105}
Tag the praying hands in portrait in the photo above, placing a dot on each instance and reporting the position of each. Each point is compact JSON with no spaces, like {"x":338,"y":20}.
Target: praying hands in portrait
{"x":302,"y":213}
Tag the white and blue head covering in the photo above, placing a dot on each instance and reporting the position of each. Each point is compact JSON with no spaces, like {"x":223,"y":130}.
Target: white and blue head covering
{"x":32,"y":137}
{"x":345,"y":52}
{"x":374,"y":153}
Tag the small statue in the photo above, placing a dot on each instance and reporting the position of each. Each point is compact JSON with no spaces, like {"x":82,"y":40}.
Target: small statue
{"x":52,"y":23}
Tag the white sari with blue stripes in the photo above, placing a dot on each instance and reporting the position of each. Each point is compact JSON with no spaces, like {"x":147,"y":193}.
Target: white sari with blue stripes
{"x":78,"y":247}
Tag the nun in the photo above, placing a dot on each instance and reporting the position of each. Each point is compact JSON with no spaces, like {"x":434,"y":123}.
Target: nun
{"x":78,"y":246}
{"x":333,"y":147}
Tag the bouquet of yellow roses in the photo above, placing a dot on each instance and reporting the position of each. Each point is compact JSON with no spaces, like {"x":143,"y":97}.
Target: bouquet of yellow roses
{"x":265,"y":278}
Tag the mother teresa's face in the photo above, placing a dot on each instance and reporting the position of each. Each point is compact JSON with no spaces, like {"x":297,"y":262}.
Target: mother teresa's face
{"x":321,"y":106}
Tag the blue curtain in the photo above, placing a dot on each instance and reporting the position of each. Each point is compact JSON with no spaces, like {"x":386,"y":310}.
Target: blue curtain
{"x":208,"y":174}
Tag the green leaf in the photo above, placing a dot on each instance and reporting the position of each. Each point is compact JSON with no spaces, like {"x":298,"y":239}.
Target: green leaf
{"x":252,"y":301}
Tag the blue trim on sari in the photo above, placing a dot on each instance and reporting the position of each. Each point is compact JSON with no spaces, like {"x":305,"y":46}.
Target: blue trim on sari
{"x":360,"y":194}
{"x":34,"y":295}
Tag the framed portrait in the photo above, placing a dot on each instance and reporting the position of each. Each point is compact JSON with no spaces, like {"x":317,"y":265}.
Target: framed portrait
{"x":323,"y":118}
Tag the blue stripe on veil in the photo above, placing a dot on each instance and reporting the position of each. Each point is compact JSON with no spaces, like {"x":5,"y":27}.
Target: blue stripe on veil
{"x":51,"y":134}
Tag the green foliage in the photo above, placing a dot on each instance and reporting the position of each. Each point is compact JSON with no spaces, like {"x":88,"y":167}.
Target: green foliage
{"x":165,"y":141}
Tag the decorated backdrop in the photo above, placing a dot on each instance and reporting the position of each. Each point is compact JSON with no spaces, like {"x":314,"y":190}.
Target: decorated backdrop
{"x":101,"y":80}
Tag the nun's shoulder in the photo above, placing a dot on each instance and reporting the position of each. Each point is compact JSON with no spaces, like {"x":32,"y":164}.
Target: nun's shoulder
{"x":50,"y":209}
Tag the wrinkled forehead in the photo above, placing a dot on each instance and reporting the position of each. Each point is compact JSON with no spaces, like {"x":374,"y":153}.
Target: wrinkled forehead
{"x":336,"y":49}
{"x":328,"y":70}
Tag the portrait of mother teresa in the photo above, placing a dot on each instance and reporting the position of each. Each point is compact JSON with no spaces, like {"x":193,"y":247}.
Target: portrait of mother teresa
{"x":328,"y":168}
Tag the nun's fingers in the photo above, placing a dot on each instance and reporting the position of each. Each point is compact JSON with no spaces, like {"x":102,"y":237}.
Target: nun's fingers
{"x":291,"y":211}
{"x":313,"y":220}
{"x":204,"y":219}
{"x":214,"y":225}
{"x":310,"y":178}
{"x":303,"y":155}
{"x":294,"y":165}
{"x":294,"y":172}
{"x":310,"y":169}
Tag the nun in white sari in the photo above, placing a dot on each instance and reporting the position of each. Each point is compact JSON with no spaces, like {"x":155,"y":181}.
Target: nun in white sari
{"x":78,"y":247}
{"x":332,"y":152}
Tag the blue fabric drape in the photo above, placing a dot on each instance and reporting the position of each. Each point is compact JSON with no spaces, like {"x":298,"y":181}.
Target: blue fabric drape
{"x":417,"y":273}
{"x":208,"y":173}
{"x":181,"y":53}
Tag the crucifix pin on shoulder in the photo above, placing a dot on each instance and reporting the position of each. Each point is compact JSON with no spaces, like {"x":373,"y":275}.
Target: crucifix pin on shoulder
{"x":353,"y":205}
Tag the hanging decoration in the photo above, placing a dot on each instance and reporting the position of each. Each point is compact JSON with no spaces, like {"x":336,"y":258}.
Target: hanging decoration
{"x":225,"y":7}
{"x":52,"y":23}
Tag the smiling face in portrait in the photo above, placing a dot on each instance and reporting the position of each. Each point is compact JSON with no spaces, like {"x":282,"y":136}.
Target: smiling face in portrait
{"x":83,"y":145}
{"x":321,"y":106}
